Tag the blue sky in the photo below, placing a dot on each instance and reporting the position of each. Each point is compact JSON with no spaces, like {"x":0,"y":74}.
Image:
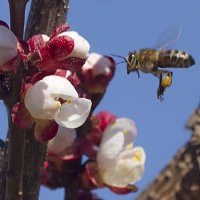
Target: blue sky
{"x":117,"y":27}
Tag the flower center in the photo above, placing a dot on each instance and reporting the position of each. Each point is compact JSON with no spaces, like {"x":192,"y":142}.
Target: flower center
{"x":125,"y":132}
{"x":138,"y":156}
{"x":69,"y":101}
{"x":129,"y":146}
{"x":58,"y":104}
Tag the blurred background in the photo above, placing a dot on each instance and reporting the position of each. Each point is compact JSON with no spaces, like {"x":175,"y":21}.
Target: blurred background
{"x":117,"y":27}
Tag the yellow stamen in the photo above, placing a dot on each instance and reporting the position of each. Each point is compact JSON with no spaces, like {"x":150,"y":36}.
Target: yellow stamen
{"x":138,"y":156}
{"x":129,"y":146}
{"x":69,"y":101}
{"x":125,"y":132}
{"x":58,"y":104}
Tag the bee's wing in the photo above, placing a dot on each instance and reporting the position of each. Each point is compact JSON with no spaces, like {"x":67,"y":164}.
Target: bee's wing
{"x":170,"y":36}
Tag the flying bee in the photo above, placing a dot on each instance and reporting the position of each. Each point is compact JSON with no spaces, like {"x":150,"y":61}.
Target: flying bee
{"x":150,"y":60}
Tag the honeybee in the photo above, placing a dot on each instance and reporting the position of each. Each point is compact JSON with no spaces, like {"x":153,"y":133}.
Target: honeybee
{"x":149,"y":60}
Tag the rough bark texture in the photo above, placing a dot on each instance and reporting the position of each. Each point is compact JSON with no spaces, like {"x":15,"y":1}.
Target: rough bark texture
{"x":43,"y":17}
{"x":35,"y":154}
{"x":180,"y":180}
{"x":14,"y":151}
{"x":2,"y":167}
{"x":46,"y":15}
{"x":17,"y":16}
{"x":20,"y":173}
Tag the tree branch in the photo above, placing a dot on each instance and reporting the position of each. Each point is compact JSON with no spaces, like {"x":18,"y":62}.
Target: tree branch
{"x":45,"y":15}
{"x":14,"y":148}
{"x":17,"y":13}
{"x":180,"y":180}
{"x":15,"y":145}
{"x":2,"y":169}
{"x":35,"y":155}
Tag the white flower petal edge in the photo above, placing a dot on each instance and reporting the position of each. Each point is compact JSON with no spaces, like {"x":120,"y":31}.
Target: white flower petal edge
{"x":60,"y":87}
{"x":81,"y":45}
{"x":64,"y":139}
{"x":8,"y":45}
{"x":119,"y":163}
{"x":123,"y":125}
{"x":98,"y":64}
{"x":74,"y":112}
{"x":45,"y":38}
{"x":110,"y":149}
{"x":117,"y":136}
{"x":42,"y":99}
{"x":127,"y":170}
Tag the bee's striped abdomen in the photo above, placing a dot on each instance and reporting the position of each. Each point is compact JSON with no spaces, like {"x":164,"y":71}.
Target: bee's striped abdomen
{"x":175,"y":58}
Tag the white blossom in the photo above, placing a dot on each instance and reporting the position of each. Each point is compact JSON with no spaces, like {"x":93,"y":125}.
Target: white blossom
{"x":54,"y":97}
{"x":64,"y":139}
{"x":81,"y":45}
{"x":98,"y":64}
{"x":119,"y":163}
{"x":8,"y":45}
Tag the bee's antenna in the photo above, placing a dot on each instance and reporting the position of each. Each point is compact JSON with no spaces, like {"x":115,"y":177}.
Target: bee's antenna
{"x":120,"y":57}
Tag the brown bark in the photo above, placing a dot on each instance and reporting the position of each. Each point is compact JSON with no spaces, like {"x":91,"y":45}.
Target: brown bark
{"x":17,"y":13}
{"x":43,"y":17}
{"x":14,"y":148}
{"x":46,"y":15}
{"x":180,"y":180}
{"x":20,"y":173}
{"x":2,"y":169}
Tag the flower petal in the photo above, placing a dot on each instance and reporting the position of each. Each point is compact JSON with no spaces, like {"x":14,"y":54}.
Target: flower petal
{"x":40,"y":99}
{"x":21,"y":117}
{"x":60,"y":87}
{"x":127,"y":126}
{"x":64,"y":139}
{"x":8,"y":45}
{"x":118,"y":162}
{"x":123,"y":190}
{"x":126,"y":171}
{"x":99,"y":64}
{"x":37,"y":41}
{"x":74,"y":114}
{"x":45,"y":130}
{"x":129,"y":168}
{"x":117,"y":136}
{"x":132,"y":163}
{"x":136,"y":153}
{"x":7,"y":39}
{"x":61,"y":28}
{"x":109,"y":149}
{"x":81,"y":45}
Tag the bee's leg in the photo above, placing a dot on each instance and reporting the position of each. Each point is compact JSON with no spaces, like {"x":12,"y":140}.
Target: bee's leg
{"x":163,"y":82}
{"x":138,"y":73}
{"x":159,"y":72}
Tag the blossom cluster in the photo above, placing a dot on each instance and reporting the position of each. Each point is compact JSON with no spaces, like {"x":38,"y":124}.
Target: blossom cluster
{"x":112,"y":162}
{"x":62,"y":83}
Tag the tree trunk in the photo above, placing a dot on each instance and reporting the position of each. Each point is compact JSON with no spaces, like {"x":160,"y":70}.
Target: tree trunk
{"x":180,"y":180}
{"x":22,"y":157}
{"x":44,"y":16}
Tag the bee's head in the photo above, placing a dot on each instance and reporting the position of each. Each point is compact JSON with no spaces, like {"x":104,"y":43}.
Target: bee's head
{"x":132,"y":63}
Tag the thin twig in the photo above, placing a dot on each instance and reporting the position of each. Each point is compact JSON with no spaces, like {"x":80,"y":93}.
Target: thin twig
{"x":15,"y":157}
{"x":17,"y":13}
